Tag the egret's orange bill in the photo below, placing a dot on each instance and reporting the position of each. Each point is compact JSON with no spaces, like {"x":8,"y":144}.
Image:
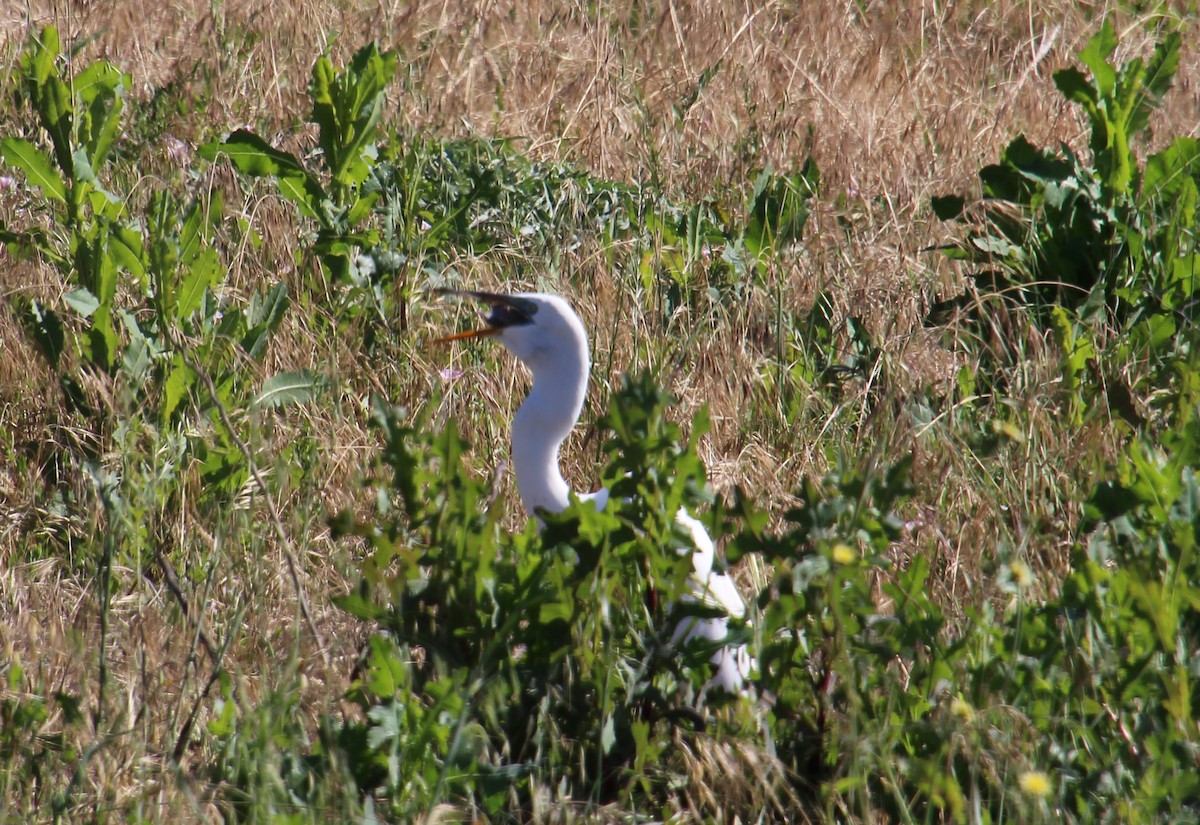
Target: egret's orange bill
{"x":465,"y":334}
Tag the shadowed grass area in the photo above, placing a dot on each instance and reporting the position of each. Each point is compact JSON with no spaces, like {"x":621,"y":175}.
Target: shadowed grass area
{"x":248,"y":573}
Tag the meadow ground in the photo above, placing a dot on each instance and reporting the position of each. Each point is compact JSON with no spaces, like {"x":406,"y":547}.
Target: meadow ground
{"x":894,"y":102}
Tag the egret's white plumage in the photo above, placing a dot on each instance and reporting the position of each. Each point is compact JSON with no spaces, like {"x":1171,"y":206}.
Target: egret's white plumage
{"x":546,"y":335}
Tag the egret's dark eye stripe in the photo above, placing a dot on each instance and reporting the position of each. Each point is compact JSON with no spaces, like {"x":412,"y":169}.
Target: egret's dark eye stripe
{"x":506,"y":311}
{"x":503,"y":315}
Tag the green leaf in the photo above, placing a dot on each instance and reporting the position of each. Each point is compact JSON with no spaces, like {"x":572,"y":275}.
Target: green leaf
{"x":82,"y":301}
{"x":203,"y":273}
{"x":1167,"y":171}
{"x":1164,"y":63}
{"x":303,"y":191}
{"x":198,"y":225}
{"x":253,"y":156}
{"x":779,"y":206}
{"x":127,"y":250}
{"x":1095,"y":56}
{"x":1075,"y":86}
{"x":386,"y":666}
{"x":347,"y":107}
{"x":46,"y":328}
{"x":98,"y":81}
{"x":139,"y":353}
{"x":102,"y":338}
{"x":263,"y":317}
{"x":1032,"y":163}
{"x":36,"y":166}
{"x":947,"y":207}
{"x":106,"y":275}
{"x":39,"y":57}
{"x":287,"y":388}
{"x":101,"y":88}
{"x":358,"y":605}
{"x":50,"y":96}
{"x":223,"y":722}
{"x":179,"y":381}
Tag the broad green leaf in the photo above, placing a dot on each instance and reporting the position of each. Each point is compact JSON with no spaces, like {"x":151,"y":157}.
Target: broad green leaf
{"x":361,"y":208}
{"x":779,"y":206}
{"x":1162,"y":66}
{"x":85,"y":173}
{"x":263,"y":317}
{"x":347,"y":107}
{"x":179,"y":381}
{"x":268,"y":310}
{"x":101,"y":88}
{"x":1185,"y":271}
{"x":127,"y":251}
{"x":102,"y":338}
{"x":106,"y":274}
{"x":139,"y":354}
{"x":1032,"y":163}
{"x":252,"y":155}
{"x":947,"y":207}
{"x":1167,"y":171}
{"x":297,"y":188}
{"x":39,"y":58}
{"x":223,"y":723}
{"x":1075,"y":86}
{"x":1095,"y":56}
{"x":99,"y":79}
{"x":46,"y":328}
{"x":36,"y":166}
{"x":198,"y":225}
{"x":357,"y":605}
{"x":203,"y":273}
{"x":287,"y":388}
{"x":386,"y":669}
{"x":82,"y":301}
{"x":50,"y":96}
{"x":322,"y":89}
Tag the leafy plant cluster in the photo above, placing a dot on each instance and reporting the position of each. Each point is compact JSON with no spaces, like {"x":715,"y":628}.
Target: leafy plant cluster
{"x":534,"y":666}
{"x":147,"y":312}
{"x":517,"y":671}
{"x":1097,"y":254}
{"x":1074,"y":705}
{"x":158,"y":365}
{"x":1101,"y":251}
{"x":388,"y":211}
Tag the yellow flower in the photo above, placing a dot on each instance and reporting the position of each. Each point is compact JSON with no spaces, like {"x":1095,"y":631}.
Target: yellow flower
{"x":1035,"y":783}
{"x":961,"y":708}
{"x":843,"y":553}
{"x":1022,"y":576}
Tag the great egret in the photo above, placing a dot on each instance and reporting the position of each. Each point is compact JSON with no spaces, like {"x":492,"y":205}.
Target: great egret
{"x":543,"y":331}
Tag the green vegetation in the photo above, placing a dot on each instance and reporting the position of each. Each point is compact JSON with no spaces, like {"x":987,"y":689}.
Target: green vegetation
{"x":488,"y":670}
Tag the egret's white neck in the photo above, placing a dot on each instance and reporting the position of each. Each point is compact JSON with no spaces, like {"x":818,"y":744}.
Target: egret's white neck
{"x":543,"y":423}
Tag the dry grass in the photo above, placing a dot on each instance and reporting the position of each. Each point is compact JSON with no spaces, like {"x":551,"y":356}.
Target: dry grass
{"x":895,"y":101}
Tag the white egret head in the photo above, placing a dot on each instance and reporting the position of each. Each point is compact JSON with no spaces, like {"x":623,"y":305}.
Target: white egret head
{"x":541,"y":330}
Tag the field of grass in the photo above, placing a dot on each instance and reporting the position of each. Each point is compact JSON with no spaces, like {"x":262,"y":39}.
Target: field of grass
{"x":899,"y":296}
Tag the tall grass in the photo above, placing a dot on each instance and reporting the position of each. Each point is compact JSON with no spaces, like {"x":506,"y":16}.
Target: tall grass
{"x":262,"y":560}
